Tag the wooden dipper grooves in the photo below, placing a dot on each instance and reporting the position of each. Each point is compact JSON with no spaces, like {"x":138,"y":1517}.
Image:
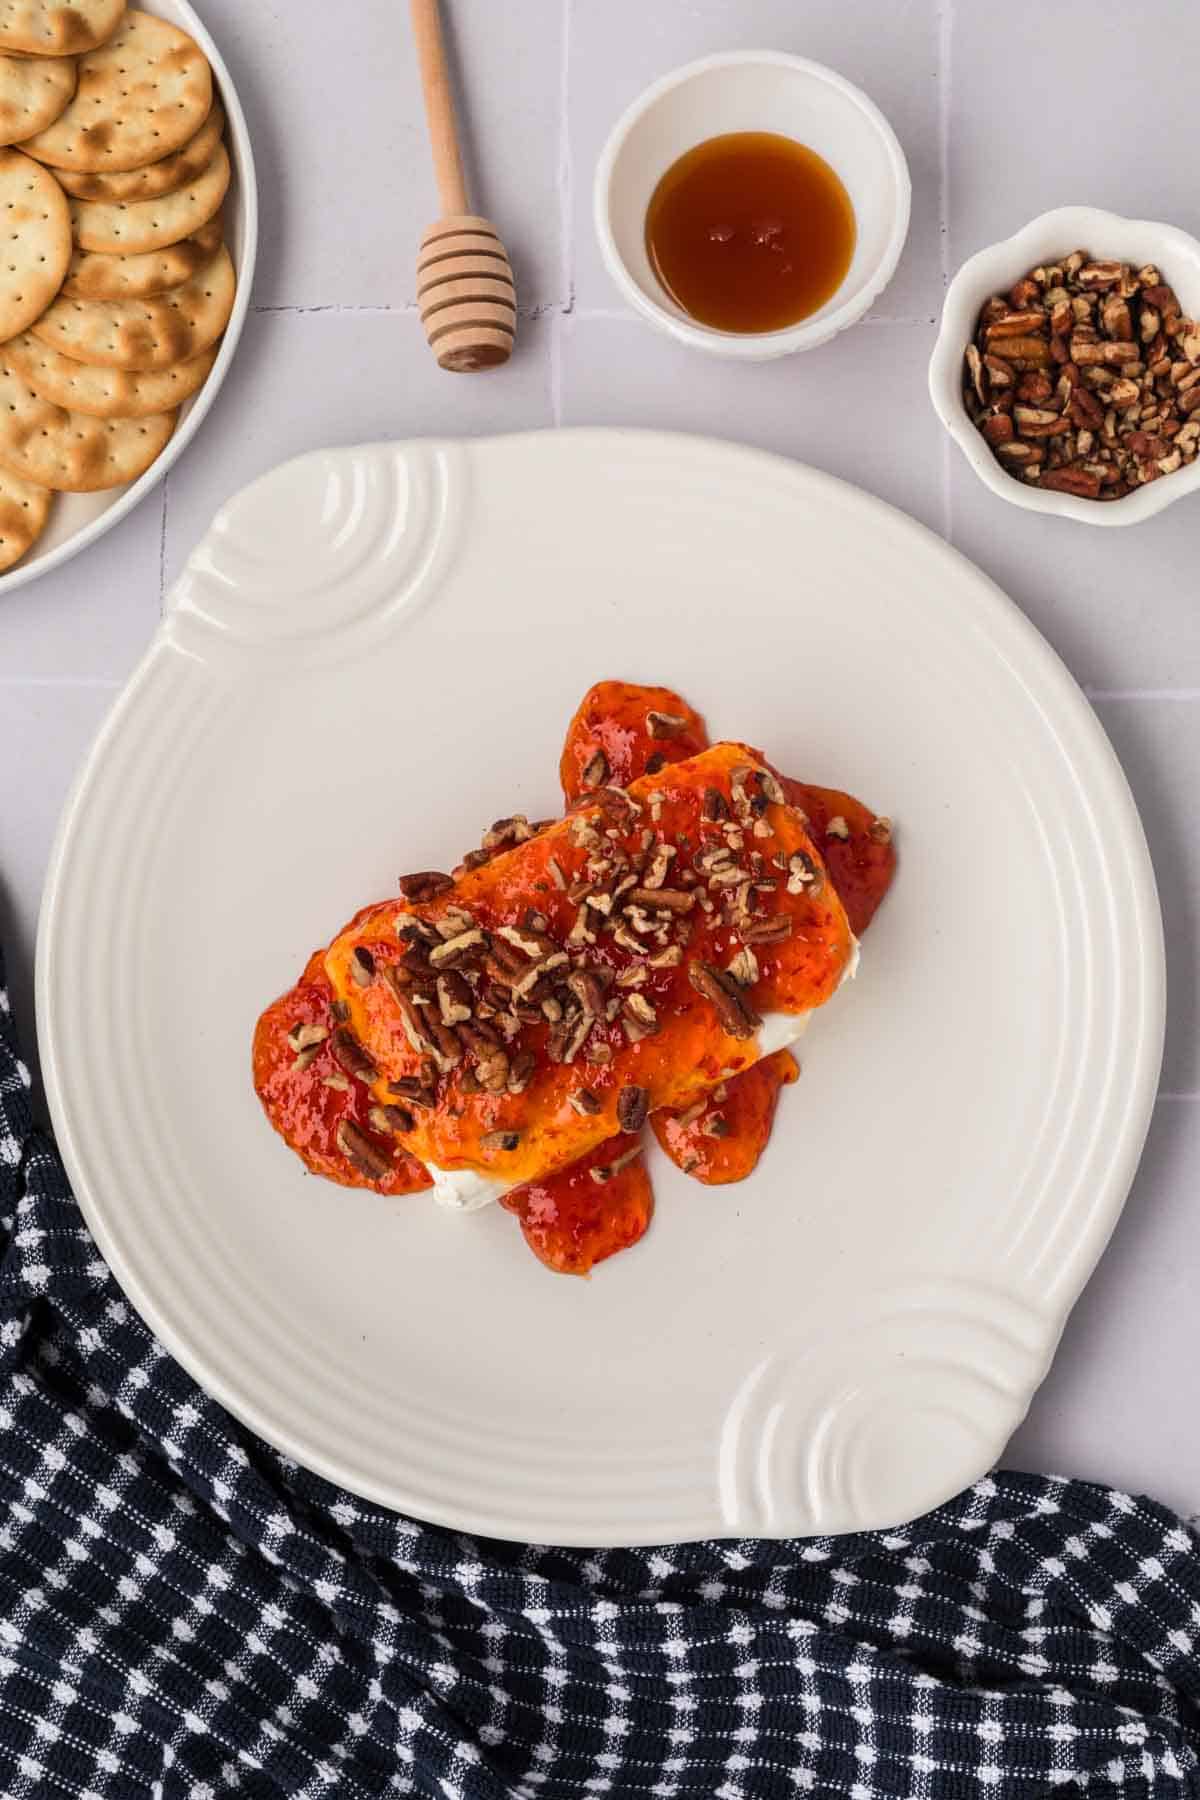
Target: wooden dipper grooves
{"x":465,"y":289}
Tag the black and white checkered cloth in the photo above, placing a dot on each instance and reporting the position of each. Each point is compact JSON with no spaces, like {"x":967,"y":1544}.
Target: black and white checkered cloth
{"x":184,"y":1612}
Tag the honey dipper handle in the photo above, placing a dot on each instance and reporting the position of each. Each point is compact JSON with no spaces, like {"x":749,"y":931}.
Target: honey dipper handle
{"x":439,"y":107}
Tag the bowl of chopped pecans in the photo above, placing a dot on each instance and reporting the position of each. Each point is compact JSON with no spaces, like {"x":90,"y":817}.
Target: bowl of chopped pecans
{"x":1067,"y":367}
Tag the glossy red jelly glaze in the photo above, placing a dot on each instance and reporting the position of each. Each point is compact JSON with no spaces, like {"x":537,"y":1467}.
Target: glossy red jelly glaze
{"x":722,"y":1139}
{"x":571,"y":1222}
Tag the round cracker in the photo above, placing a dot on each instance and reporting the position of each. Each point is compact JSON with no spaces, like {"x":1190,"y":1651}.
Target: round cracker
{"x":145,"y":334}
{"x":33,"y":91}
{"x":96,"y":276}
{"x":140,"y":96}
{"x":24,"y":509}
{"x":35,"y":240}
{"x":137,"y":226}
{"x":105,"y":393}
{"x":57,"y":27}
{"x":157,"y":178}
{"x":70,"y":451}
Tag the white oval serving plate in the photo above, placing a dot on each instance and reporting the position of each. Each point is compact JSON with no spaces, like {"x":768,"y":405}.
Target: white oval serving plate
{"x":77,"y":520}
{"x":374,"y":653}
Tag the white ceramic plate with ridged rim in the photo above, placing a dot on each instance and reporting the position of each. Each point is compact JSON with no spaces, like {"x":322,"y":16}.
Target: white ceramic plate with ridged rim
{"x":78,"y":520}
{"x":372,"y":654}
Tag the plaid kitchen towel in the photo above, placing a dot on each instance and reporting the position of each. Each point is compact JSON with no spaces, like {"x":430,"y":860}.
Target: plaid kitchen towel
{"x":184,"y":1612}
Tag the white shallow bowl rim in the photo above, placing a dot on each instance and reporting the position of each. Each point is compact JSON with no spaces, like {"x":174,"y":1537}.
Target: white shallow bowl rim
{"x":994,"y":268}
{"x":751,"y":346}
{"x":242,"y":156}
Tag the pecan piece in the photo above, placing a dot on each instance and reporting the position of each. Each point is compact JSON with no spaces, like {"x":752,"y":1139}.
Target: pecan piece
{"x":500,"y":1140}
{"x":595,"y":770}
{"x":665,"y":725}
{"x":391,"y":1118}
{"x":362,"y":966}
{"x":632,"y":1105}
{"x":426,"y":885}
{"x":349,"y":1054}
{"x":1072,"y":479}
{"x":735,"y":1012}
{"x":360,"y":1152}
{"x":306,"y":1037}
{"x":585,"y":1102}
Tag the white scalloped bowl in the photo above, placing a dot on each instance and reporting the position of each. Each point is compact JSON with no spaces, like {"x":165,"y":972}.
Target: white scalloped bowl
{"x":78,"y":520}
{"x":753,"y":90}
{"x":992,"y":271}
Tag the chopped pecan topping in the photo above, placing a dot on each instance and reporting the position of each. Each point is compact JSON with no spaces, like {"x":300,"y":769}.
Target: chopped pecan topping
{"x":337,"y":1081}
{"x":838,"y":828}
{"x":349,"y":1054}
{"x":585,"y":1102}
{"x":673,"y":900}
{"x":804,"y":877}
{"x":665,"y":725}
{"x":305,"y":1059}
{"x":504,"y":832}
{"x":455,"y":1000}
{"x":454,"y":949}
{"x":413,"y":1090}
{"x":556,"y":874}
{"x":744,"y":968}
{"x":654,"y":762}
{"x":602,"y":1172}
{"x":670,"y":958}
{"x":881,"y":831}
{"x":735,"y":1012}
{"x":766,"y":931}
{"x":306,"y":1037}
{"x":586,"y":989}
{"x":521,"y":1071}
{"x":362,"y":966}
{"x":596,"y":770}
{"x":340,"y":1010}
{"x":391,"y":1118}
{"x":716,"y":1126}
{"x":426,"y":885}
{"x":632,"y":1104}
{"x":359,"y":1151}
{"x":500,"y":1140}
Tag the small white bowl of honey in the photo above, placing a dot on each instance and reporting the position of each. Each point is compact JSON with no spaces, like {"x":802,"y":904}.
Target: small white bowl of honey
{"x":752,"y":204}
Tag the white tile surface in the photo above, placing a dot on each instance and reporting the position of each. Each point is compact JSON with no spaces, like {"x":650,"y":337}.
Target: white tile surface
{"x":91,"y":620}
{"x":335,"y":354}
{"x":1093,"y":69}
{"x":813,"y":407}
{"x":1118,"y":1405}
{"x":333,"y":103}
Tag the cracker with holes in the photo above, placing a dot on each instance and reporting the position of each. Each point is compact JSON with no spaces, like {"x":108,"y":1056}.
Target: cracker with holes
{"x":138,"y":226}
{"x":140,"y":96}
{"x":144,"y":334}
{"x":33,"y":91}
{"x":157,"y":178}
{"x":57,"y":27}
{"x":105,"y":393}
{"x":24,"y":509}
{"x":35,"y":240}
{"x":71,"y":451}
{"x":93,"y":275}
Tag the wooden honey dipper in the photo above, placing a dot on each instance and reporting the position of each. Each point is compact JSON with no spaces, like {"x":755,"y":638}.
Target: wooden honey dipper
{"x":465,"y":286}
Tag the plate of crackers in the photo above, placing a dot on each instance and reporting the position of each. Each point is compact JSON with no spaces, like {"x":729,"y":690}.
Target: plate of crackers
{"x":128,"y":230}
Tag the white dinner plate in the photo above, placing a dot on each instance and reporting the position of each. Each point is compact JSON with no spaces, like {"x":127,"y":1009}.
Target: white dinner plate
{"x":77,"y":520}
{"x":374,"y":653}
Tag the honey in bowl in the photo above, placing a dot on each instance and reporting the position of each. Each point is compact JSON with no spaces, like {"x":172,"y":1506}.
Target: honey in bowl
{"x":750,"y":231}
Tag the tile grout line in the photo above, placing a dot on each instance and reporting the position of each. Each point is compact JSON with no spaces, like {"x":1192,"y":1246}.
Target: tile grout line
{"x":565,"y":221}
